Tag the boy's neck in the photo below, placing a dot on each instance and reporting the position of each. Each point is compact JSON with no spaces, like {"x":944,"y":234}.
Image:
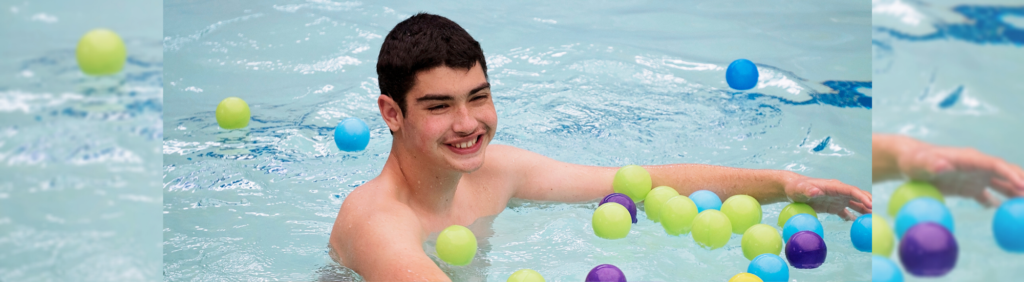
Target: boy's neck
{"x":427,"y":188}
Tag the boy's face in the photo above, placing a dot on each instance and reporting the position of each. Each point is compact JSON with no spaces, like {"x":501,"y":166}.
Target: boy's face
{"x":450,"y":117}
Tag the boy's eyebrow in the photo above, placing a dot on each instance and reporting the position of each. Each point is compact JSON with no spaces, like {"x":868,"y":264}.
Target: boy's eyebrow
{"x":446,"y":97}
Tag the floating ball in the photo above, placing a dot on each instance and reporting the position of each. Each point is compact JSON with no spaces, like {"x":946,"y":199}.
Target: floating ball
{"x":884,"y":270}
{"x":352,"y":135}
{"x":794,"y":209}
{"x":770,"y":267}
{"x":920,"y":210}
{"x":606,"y":273}
{"x":761,"y":239}
{"x":634,"y":181}
{"x":745,"y":277}
{"x":909,"y":191}
{"x":711,"y":229}
{"x":611,"y":221}
{"x":881,"y":237}
{"x":525,"y":275}
{"x":623,"y":200}
{"x":677,"y":215}
{"x":806,"y":250}
{"x":1008,"y":225}
{"x":741,"y":74}
{"x":743,"y":211}
{"x":928,"y":250}
{"x":232,"y":113}
{"x":101,"y":52}
{"x":456,"y":245}
{"x":706,"y":200}
{"x":657,"y":198}
{"x":802,"y":222}
{"x":860,"y":233}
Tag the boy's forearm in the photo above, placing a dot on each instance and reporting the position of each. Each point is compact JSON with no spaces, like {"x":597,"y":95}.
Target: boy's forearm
{"x":885,"y":149}
{"x":765,"y":185}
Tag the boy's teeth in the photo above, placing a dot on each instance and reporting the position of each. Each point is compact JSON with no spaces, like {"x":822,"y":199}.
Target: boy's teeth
{"x":465,"y":144}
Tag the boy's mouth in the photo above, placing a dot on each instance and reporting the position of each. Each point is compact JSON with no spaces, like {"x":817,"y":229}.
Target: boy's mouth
{"x":466,"y":147}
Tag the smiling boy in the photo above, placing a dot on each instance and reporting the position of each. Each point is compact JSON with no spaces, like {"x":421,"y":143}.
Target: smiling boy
{"x":442,"y":170}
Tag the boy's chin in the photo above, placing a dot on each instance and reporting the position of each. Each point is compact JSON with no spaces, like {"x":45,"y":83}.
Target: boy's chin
{"x":468,"y":166}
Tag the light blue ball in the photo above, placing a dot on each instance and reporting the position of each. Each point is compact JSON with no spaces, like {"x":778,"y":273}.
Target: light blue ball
{"x":885,"y":270}
{"x":802,"y":222}
{"x":860,"y":233}
{"x":1008,"y":225}
{"x":922,"y":209}
{"x":769,"y":267}
{"x":741,"y":74}
{"x":706,"y":200}
{"x":352,"y":135}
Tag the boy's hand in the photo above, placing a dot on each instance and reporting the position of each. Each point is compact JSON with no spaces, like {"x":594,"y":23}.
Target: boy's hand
{"x":828,"y":195}
{"x":961,"y":171}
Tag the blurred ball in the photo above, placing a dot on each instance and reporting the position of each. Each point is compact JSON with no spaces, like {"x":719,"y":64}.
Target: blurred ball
{"x":456,"y":245}
{"x":352,"y":135}
{"x":1008,"y":225}
{"x":741,"y":74}
{"x":794,"y":209}
{"x":232,"y":113}
{"x":920,"y":210}
{"x":623,"y":200}
{"x":634,"y":181}
{"x":928,"y":250}
{"x":677,"y":215}
{"x":525,"y":275}
{"x":761,"y":239}
{"x":770,"y":267}
{"x":806,"y":250}
{"x":745,"y":277}
{"x":657,"y":198}
{"x":802,"y":222}
{"x":860,"y":233}
{"x":884,"y":270}
{"x":706,"y":200}
{"x":743,"y":211}
{"x":711,"y":229}
{"x":611,"y":221}
{"x":101,"y":52}
{"x":606,"y":273}
{"x":909,"y":191}
{"x":881,"y":237}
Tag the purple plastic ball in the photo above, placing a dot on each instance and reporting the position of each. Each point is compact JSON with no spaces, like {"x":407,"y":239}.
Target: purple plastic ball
{"x":928,"y":250}
{"x":623,"y":200}
{"x":806,"y":250}
{"x":606,"y":273}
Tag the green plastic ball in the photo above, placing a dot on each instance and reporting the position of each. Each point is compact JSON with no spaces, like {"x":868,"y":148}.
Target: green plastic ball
{"x":711,"y":229}
{"x":909,"y":191}
{"x":656,"y":199}
{"x":101,"y":52}
{"x":525,"y":275}
{"x":634,"y":181}
{"x":456,"y":245}
{"x":611,"y":221}
{"x":794,"y":209}
{"x":233,"y":113}
{"x":761,"y":239}
{"x":743,"y":211}
{"x":881,"y":236}
{"x":677,"y":215}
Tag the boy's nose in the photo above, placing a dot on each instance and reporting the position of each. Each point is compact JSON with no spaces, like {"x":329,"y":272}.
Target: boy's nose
{"x":464,"y":122}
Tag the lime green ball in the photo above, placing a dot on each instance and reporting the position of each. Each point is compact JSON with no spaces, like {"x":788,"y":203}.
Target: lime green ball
{"x":677,"y":215}
{"x":656,"y":199}
{"x":612,"y":221}
{"x":101,"y":52}
{"x":711,"y":229}
{"x":743,"y":211}
{"x":634,"y":181}
{"x":526,"y":275}
{"x":794,"y":209}
{"x":909,"y":191}
{"x":456,"y":245}
{"x":745,"y":277}
{"x":761,"y":239}
{"x":233,"y":113}
{"x":881,"y":236}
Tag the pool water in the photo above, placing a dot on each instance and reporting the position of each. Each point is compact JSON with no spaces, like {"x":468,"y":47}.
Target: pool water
{"x":606,"y":83}
{"x":949,"y":75}
{"x":79,"y":156}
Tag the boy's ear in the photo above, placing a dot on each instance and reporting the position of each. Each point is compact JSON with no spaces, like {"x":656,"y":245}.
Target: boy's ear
{"x":390,"y":111}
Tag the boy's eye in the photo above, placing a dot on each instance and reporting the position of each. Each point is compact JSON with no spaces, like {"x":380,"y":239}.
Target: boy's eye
{"x":438,"y":107}
{"x":478,"y":97}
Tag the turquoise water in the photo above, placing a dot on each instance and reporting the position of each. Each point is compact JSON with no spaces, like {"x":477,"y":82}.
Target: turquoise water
{"x":949,"y":75}
{"x":597,"y":83}
{"x":79,"y":156}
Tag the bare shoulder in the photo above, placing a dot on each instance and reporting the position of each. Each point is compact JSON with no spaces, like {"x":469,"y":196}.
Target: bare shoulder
{"x":369,"y":218}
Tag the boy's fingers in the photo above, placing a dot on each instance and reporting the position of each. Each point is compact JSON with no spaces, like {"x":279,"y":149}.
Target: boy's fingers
{"x":859,"y":207}
{"x":986,"y":199}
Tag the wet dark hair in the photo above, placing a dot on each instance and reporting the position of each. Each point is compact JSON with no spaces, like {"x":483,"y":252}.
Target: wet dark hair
{"x":420,"y":43}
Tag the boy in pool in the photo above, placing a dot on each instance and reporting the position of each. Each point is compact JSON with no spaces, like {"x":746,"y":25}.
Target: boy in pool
{"x":441,"y":171}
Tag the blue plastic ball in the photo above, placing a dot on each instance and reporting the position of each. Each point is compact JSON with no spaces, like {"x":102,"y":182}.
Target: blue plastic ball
{"x":860,"y":233}
{"x":922,"y":209}
{"x":1008,"y":225}
{"x":352,"y":135}
{"x":706,"y":200}
{"x":741,"y":74}
{"x":769,"y":267}
{"x":803,"y":222}
{"x":885,"y":270}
